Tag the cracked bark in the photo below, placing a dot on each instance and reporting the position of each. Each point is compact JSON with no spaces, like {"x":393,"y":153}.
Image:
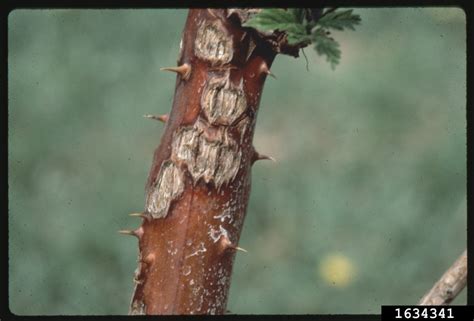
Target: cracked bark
{"x":199,"y":182}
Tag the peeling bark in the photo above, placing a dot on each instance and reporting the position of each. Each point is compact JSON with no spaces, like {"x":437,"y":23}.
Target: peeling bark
{"x":199,"y":182}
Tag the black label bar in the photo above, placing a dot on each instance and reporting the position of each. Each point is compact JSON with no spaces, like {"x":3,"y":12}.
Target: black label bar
{"x":427,"y":312}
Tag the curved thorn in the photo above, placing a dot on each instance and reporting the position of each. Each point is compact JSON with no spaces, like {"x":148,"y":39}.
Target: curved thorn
{"x":237,"y":248}
{"x":226,"y":244}
{"x":184,"y":70}
{"x":257,"y":156}
{"x":163,"y":118}
{"x":271,"y":74}
{"x":263,"y":157}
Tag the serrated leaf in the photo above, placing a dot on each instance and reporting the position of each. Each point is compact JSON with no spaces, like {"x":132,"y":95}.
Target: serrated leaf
{"x":272,"y":19}
{"x":299,"y":14}
{"x":303,"y":30}
{"x":297,"y":34}
{"x":339,"y":20}
{"x":290,"y":21}
{"x":326,"y":46}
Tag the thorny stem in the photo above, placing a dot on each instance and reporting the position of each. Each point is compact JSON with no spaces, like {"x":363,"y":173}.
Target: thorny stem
{"x":199,"y":182}
{"x":449,"y":285}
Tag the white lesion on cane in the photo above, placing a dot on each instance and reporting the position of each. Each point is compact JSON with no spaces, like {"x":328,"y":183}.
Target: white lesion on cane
{"x":208,"y":150}
{"x":213,"y":43}
{"x":209,"y":154}
{"x":222,"y":101}
{"x":168,"y":186}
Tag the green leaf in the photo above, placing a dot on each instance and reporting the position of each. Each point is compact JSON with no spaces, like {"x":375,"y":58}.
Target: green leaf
{"x":290,"y":21}
{"x":299,"y":14}
{"x":339,"y":20}
{"x":297,"y":34}
{"x":327,"y":46}
{"x":272,"y":19}
{"x":299,"y":30}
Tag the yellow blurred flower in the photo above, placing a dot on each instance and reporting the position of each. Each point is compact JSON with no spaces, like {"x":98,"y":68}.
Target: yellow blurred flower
{"x":337,"y":270}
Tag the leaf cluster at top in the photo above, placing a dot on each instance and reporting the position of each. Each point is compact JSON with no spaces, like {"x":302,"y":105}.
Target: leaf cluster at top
{"x":302,"y":29}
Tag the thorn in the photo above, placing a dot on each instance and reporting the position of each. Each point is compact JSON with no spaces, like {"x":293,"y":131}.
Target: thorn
{"x":238,"y":249}
{"x":268,"y":72}
{"x":142,"y":215}
{"x":264,"y":69}
{"x":257,"y":156}
{"x":225,"y":244}
{"x":138,"y":233}
{"x":184,"y":70}
{"x":127,"y":232}
{"x":262,"y":157}
{"x":163,"y":118}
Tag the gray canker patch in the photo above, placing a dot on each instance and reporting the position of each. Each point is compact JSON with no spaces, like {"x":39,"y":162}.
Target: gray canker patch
{"x":222,"y":102}
{"x":216,"y":159}
{"x":213,"y":43}
{"x":169,"y":185}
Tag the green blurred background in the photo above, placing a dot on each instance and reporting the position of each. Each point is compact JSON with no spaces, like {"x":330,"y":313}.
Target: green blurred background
{"x":365,"y":206}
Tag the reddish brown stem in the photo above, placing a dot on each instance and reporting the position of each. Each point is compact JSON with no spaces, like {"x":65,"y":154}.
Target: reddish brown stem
{"x":199,"y":183}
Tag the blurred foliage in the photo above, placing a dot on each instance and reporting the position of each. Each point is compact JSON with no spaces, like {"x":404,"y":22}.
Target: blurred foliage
{"x":365,"y":206}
